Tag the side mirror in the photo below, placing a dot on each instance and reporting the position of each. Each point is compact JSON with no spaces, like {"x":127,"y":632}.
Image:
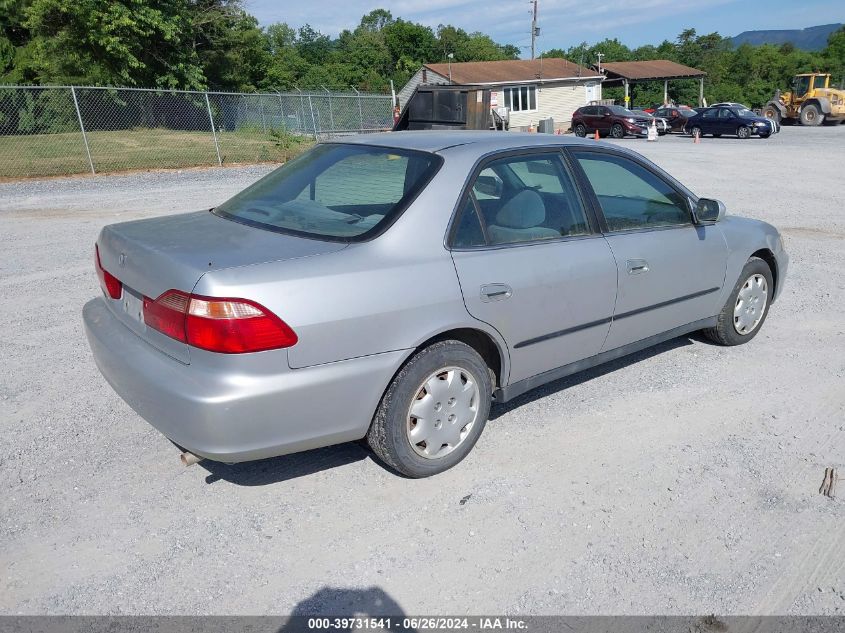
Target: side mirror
{"x":708,"y":211}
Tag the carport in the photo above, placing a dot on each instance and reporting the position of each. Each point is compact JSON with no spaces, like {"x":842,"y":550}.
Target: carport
{"x":653,"y":70}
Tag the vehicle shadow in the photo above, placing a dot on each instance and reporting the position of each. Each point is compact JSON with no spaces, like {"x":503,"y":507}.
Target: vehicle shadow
{"x":286,"y":467}
{"x":340,"y":602}
{"x":498,"y":410}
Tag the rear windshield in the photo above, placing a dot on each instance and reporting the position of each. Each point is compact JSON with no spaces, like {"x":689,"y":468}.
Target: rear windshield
{"x":335,"y":192}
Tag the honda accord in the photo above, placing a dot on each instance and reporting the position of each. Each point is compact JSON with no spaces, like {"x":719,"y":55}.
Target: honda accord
{"x":392,"y":286}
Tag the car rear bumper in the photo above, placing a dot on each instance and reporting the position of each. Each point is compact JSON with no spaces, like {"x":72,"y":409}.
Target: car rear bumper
{"x":241,"y":413}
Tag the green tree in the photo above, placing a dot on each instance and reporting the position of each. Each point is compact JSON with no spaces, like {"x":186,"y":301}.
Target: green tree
{"x":113,"y":42}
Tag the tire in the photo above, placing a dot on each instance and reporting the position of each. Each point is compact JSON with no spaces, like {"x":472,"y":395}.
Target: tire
{"x":466,"y":389}
{"x":695,"y":131}
{"x":617,"y":131}
{"x":580,"y":130}
{"x":811,"y":115}
{"x":771,"y":112}
{"x":735,"y":330}
{"x":743,"y":131}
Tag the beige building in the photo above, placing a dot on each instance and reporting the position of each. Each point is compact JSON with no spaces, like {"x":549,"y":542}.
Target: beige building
{"x":530,"y":89}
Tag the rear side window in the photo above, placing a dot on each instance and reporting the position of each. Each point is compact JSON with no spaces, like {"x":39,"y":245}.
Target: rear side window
{"x":632,"y":197}
{"x":337,"y":192}
{"x":520,"y":199}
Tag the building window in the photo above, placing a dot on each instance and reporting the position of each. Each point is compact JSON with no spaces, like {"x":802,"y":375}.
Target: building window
{"x":520,"y":98}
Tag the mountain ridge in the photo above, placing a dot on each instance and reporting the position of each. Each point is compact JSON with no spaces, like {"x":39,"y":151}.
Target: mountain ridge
{"x":813,"y":38}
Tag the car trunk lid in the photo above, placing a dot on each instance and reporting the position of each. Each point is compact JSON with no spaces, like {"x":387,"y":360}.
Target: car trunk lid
{"x":159,"y":254}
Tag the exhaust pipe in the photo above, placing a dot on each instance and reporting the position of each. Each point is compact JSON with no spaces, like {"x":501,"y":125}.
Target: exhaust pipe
{"x":189,"y":459}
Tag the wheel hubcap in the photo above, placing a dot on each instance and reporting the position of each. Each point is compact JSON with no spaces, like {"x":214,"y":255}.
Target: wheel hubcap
{"x":750,"y":304}
{"x":443,"y":412}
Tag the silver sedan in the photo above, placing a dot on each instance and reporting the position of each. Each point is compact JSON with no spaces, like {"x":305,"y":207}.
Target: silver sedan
{"x":390,"y":287}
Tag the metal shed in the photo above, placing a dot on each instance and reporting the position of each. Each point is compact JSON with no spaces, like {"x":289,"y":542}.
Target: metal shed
{"x":653,"y":70}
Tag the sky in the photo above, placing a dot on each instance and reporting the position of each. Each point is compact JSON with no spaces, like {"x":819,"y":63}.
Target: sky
{"x":563,"y":23}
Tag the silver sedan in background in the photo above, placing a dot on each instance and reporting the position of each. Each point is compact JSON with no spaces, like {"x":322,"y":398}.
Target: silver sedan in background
{"x":392,"y":286}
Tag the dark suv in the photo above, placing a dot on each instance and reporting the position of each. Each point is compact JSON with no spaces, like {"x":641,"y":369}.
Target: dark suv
{"x":614,"y":121}
{"x":733,"y":120}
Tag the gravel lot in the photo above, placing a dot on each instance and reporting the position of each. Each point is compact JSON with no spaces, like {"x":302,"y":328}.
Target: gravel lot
{"x":681,"y":480}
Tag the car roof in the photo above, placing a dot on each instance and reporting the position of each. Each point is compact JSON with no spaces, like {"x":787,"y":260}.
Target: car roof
{"x":482,"y":141}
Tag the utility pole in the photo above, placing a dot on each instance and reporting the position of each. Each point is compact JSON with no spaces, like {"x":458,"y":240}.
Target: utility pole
{"x":535,"y":30}
{"x":599,"y":55}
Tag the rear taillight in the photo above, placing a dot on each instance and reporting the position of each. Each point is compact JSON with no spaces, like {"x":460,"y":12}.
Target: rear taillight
{"x":167,"y":314}
{"x":110,"y":284}
{"x":228,"y":326}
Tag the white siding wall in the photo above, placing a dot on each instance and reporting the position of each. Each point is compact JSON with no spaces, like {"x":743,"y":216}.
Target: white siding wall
{"x":558,"y":101}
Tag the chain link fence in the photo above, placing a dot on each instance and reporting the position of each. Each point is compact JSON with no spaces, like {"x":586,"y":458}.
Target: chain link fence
{"x":57,"y":130}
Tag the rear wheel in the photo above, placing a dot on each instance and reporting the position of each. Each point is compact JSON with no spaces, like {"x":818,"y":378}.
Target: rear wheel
{"x":434,"y":410}
{"x":617,"y":131}
{"x":695,"y":131}
{"x":743,"y":131}
{"x":810,"y":115}
{"x":747,"y":307}
{"x":580,"y":130}
{"x":771,"y":112}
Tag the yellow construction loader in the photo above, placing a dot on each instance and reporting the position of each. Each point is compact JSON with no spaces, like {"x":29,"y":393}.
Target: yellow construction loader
{"x":811,"y":101}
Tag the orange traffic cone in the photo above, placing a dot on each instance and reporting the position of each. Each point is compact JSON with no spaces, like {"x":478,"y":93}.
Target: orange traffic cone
{"x":596,"y":136}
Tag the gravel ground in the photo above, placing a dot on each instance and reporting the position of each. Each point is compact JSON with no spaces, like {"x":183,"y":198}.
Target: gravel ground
{"x":681,"y":480}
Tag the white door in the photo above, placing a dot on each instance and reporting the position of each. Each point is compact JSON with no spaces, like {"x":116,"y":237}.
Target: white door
{"x":592,"y":92}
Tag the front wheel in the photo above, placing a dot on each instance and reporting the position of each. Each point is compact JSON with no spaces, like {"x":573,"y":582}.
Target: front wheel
{"x":434,"y":410}
{"x":772,"y":113}
{"x":695,"y":131}
{"x":743,"y":131}
{"x":617,"y":131}
{"x":747,"y":307}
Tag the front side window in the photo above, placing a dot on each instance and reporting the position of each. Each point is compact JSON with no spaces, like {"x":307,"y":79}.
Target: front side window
{"x":802,"y":86}
{"x":335,"y":191}
{"x":521,"y":98}
{"x":520,"y":199}
{"x":632,"y":197}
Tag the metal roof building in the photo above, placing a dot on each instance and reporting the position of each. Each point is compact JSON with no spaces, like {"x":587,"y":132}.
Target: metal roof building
{"x":652,"y":70}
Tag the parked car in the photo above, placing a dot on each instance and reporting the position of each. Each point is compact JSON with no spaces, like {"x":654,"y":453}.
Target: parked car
{"x":729,"y":120}
{"x":614,"y":121}
{"x":730,"y":104}
{"x":661,"y":123}
{"x":391,"y":286}
{"x":675,"y":116}
{"x":657,"y":106}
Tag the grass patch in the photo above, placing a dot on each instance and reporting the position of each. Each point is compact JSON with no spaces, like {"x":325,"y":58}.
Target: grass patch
{"x":140,"y":148}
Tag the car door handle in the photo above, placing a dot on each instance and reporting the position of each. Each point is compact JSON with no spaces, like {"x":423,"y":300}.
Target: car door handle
{"x":637,"y":266}
{"x":495,"y":292}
